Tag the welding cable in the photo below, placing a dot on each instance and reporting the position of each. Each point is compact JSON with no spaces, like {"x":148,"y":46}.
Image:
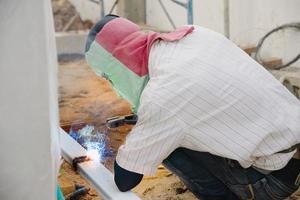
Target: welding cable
{"x":294,"y":26}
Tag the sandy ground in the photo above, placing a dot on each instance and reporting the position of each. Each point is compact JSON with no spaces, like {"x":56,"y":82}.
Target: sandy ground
{"x":68,"y":177}
{"x":86,"y":98}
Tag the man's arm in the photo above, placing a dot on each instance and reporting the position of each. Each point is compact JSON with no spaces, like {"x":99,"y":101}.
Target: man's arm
{"x":124,"y":179}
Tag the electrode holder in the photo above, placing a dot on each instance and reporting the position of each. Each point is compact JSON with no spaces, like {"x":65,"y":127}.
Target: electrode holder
{"x":117,"y":121}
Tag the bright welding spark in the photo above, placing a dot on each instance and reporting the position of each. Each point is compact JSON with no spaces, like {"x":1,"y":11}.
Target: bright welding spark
{"x":95,"y":150}
{"x":93,"y":154}
{"x":93,"y":142}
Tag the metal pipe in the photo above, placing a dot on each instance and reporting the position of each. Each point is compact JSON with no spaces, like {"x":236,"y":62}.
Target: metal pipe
{"x":226,"y":19}
{"x":94,"y":1}
{"x":180,"y":3}
{"x":102,"y":11}
{"x":190,"y":16}
{"x":113,"y":6}
{"x":189,"y":7}
{"x":167,"y":13}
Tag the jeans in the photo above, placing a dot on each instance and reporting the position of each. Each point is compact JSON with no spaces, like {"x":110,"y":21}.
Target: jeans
{"x":211,"y":177}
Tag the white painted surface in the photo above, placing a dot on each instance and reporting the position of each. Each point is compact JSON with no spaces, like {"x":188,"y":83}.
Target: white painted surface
{"x":70,"y":42}
{"x":29,"y":150}
{"x":208,"y":13}
{"x":87,"y":9}
{"x":90,"y":10}
{"x":100,"y":177}
{"x":249,"y":21}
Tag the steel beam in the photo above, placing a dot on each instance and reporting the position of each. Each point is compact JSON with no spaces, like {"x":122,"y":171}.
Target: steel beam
{"x":96,"y":174}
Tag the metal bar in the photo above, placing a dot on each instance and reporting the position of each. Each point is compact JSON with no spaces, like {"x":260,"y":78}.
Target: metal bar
{"x":70,"y":22}
{"x":102,"y":12}
{"x":167,"y":13}
{"x":226,"y":19}
{"x":180,"y":3}
{"x":190,"y":16}
{"x":96,"y":174}
{"x":94,"y":1}
{"x":113,"y":7}
{"x":189,"y":7}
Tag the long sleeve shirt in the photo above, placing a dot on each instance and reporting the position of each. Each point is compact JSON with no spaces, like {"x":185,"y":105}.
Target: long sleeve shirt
{"x":207,"y":95}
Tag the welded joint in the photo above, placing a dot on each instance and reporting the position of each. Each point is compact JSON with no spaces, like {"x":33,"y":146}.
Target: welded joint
{"x":78,"y":160}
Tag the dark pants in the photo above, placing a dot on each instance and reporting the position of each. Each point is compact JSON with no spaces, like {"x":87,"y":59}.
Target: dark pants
{"x":211,"y":177}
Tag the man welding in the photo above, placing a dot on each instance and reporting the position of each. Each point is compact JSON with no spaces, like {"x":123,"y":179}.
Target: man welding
{"x":206,"y":110}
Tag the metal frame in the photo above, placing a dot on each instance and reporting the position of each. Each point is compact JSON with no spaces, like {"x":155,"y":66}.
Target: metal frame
{"x":227,"y":18}
{"x":96,"y":174}
{"x":188,"y":5}
{"x":102,"y":10}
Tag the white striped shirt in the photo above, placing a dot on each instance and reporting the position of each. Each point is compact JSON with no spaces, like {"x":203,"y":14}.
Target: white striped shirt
{"x":207,"y":95}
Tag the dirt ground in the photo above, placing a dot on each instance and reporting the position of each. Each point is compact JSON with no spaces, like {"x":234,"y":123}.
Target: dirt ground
{"x":68,"y":177}
{"x":86,"y":98}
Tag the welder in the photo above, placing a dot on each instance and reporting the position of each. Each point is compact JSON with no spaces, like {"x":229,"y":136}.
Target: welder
{"x":206,"y":110}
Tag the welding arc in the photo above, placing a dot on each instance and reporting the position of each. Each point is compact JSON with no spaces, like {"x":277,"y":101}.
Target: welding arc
{"x":295,"y":26}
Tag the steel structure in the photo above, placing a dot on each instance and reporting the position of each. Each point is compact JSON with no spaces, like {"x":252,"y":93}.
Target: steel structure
{"x":188,"y":5}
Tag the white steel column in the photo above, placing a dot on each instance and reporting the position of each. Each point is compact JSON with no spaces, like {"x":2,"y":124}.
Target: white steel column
{"x":29,"y":149}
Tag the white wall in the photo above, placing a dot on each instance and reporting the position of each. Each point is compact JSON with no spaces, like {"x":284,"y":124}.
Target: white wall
{"x":70,"y":42}
{"x":249,"y":21}
{"x":208,"y":13}
{"x":87,"y":9}
{"x":29,"y":149}
{"x":90,"y":10}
